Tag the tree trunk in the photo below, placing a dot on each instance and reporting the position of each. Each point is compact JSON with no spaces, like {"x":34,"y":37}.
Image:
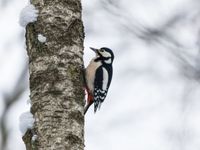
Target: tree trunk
{"x":56,"y":76}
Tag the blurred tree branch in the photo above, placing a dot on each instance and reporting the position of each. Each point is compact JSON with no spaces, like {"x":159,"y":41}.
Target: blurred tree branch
{"x":161,"y":34}
{"x":9,"y":100}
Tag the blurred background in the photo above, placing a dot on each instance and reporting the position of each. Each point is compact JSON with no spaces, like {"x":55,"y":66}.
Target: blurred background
{"x":154,"y":99}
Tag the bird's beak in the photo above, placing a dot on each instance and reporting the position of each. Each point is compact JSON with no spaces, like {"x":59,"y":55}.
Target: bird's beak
{"x":94,"y":49}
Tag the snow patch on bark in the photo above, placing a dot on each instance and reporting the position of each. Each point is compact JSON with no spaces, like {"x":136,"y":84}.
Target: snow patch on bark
{"x":27,"y":15}
{"x":34,"y":137}
{"x":26,"y":121}
{"x":41,"y":38}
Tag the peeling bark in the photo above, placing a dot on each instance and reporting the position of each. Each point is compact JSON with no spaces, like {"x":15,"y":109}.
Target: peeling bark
{"x":56,"y":79}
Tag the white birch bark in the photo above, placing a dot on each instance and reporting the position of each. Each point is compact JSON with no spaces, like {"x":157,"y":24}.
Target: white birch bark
{"x":56,"y":79}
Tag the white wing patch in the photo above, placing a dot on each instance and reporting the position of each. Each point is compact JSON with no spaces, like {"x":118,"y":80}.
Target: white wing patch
{"x":105,"y":79}
{"x":109,"y":61}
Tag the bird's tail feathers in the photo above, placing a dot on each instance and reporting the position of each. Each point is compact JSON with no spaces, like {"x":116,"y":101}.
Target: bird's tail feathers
{"x":97,"y":105}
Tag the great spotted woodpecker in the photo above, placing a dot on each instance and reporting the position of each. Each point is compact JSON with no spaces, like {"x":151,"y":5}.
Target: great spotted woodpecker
{"x":98,"y":76}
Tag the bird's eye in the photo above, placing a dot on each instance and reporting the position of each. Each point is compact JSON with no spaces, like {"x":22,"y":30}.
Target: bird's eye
{"x":101,"y":50}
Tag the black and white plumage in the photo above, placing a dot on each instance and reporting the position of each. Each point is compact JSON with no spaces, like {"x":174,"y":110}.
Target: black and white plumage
{"x":98,"y":76}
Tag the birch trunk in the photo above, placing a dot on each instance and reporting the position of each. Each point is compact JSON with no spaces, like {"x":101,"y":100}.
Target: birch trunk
{"x":56,"y":79}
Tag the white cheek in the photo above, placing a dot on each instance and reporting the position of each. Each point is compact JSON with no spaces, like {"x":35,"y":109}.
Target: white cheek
{"x":105,"y":54}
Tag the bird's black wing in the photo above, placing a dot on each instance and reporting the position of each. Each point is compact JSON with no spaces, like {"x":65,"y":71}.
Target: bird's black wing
{"x":99,"y":93}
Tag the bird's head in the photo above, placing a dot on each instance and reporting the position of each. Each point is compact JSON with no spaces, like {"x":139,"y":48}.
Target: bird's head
{"x":104,"y":54}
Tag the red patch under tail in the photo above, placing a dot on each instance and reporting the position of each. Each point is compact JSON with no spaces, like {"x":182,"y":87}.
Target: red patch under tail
{"x":89,"y":100}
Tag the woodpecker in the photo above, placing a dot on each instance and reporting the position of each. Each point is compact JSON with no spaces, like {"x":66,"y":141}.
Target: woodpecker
{"x":98,"y":76}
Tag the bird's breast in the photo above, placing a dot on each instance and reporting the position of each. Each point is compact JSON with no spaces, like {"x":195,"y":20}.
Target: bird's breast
{"x":90,"y":74}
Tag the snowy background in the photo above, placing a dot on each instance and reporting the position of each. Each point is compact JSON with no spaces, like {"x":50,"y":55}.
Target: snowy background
{"x":154,"y":99}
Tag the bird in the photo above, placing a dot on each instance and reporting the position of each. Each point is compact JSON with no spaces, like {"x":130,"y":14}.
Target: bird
{"x":98,"y":76}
